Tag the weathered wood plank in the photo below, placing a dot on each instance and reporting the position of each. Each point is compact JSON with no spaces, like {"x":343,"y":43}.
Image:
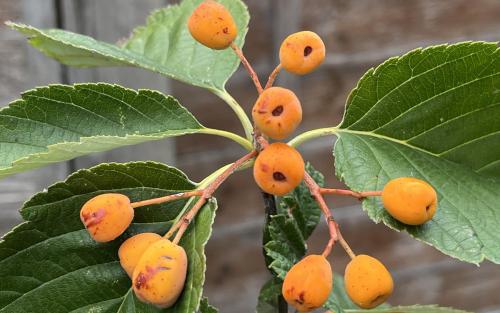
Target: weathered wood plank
{"x":21,"y":68}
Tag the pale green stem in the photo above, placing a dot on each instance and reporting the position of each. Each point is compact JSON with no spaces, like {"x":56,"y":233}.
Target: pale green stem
{"x":210,"y":178}
{"x":238,"y":110}
{"x":320,"y":132}
{"x":207,"y":180}
{"x":238,"y":139}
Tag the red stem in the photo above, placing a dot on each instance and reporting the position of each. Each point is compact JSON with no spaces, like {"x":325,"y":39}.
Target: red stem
{"x":333,"y":227}
{"x":272,"y":77}
{"x":249,"y":68}
{"x":180,"y":195}
{"x":344,"y":192}
{"x":184,"y":222}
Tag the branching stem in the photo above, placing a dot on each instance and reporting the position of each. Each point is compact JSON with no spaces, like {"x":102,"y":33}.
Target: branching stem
{"x":320,"y":132}
{"x":273,"y":75}
{"x":238,"y":110}
{"x":177,"y":196}
{"x":248,"y":67}
{"x":182,"y":224}
{"x":333,"y":227}
{"x":344,"y":192}
{"x":245,"y":143}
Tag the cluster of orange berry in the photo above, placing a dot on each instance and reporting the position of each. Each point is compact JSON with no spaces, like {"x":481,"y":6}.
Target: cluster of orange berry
{"x":158,"y":266}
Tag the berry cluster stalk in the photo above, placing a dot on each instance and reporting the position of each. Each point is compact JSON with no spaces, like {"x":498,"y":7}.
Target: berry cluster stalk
{"x":182,"y":224}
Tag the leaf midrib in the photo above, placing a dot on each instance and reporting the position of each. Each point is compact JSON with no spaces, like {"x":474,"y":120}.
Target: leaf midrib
{"x":384,"y":137}
{"x":411,"y":79}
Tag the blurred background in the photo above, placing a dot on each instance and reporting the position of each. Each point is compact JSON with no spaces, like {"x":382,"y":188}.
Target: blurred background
{"x":358,"y":34}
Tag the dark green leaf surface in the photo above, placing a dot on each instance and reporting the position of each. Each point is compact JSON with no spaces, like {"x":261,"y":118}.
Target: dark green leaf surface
{"x":163,"y":45}
{"x":298,"y":216}
{"x":49,"y":263}
{"x":268,"y":296}
{"x":205,"y":307}
{"x":433,"y":114}
{"x":60,"y":122}
{"x":287,"y":246}
{"x":443,"y":101}
{"x":302,"y":206}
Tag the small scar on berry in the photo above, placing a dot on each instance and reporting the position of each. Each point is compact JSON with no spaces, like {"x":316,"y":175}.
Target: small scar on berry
{"x":307,"y":50}
{"x":279,"y":176}
{"x":140,"y":281}
{"x":277,"y":111}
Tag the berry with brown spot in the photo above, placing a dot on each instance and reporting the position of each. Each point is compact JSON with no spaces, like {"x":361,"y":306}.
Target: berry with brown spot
{"x":212,"y":25}
{"x":107,"y":216}
{"x":367,"y":282}
{"x":410,"y":200}
{"x":160,"y":274}
{"x":308,"y":283}
{"x":277,"y":112}
{"x":278,"y":169}
{"x":132,"y":249}
{"x":302,"y":52}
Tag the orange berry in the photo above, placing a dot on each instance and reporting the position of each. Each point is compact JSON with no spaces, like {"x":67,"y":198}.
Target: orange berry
{"x":308,"y":283}
{"x":160,"y":274}
{"x":278,"y":169}
{"x":212,"y":25}
{"x":107,"y":216}
{"x":132,"y":249}
{"x":367,"y":282}
{"x":302,"y":52}
{"x":410,"y":200}
{"x":277,"y":112}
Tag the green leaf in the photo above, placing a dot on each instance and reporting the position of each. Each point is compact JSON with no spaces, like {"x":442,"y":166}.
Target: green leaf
{"x":205,"y":307}
{"x":163,"y":45}
{"x":298,"y":216}
{"x":268,"y":296}
{"x":433,"y":114}
{"x":49,"y":263}
{"x":339,"y":302}
{"x":287,"y":246}
{"x":60,"y":122}
{"x":302,"y":206}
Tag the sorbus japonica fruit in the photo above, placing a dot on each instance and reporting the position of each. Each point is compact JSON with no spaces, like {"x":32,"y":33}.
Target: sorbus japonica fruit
{"x":367,"y":282}
{"x":107,"y":216}
{"x":278,"y":169}
{"x":302,"y":52}
{"x":410,"y":200}
{"x":308,"y":283}
{"x":277,"y":112}
{"x":160,"y":274}
{"x":212,"y":25}
{"x":132,"y":249}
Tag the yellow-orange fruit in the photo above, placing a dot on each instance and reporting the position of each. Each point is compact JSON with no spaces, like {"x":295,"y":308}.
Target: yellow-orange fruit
{"x":212,"y":25}
{"x":159,"y":276}
{"x":367,"y":282}
{"x":107,"y":216}
{"x":410,"y":200}
{"x":308,"y":283}
{"x":302,"y":52}
{"x":278,"y":169}
{"x":132,"y":249}
{"x":277,"y":112}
